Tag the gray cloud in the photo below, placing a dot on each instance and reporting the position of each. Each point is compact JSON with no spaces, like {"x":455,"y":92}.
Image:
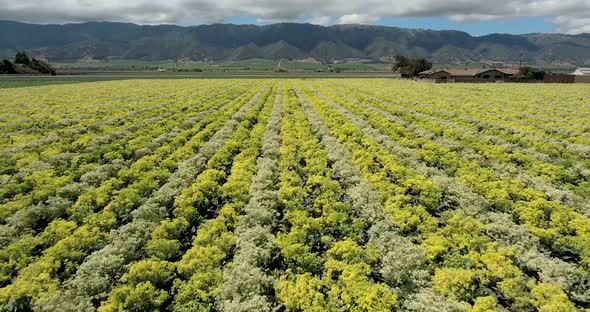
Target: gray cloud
{"x":571,"y":16}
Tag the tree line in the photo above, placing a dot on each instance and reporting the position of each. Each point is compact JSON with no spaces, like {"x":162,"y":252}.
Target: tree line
{"x":410,"y":67}
{"x":21,"y":60}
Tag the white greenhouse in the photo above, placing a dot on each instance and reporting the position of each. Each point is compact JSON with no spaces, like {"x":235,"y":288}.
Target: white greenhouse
{"x":582,"y":72}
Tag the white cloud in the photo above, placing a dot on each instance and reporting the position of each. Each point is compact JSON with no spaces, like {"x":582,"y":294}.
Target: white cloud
{"x":321,"y":20}
{"x":570,"y":16}
{"x":473,"y":17}
{"x":357,"y":19}
{"x":572,"y":25}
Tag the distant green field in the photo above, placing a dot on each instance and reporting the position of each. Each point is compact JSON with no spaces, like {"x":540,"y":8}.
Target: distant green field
{"x":16,"y":81}
{"x":251,"y":65}
{"x":28,"y":81}
{"x":115,"y":64}
{"x":6,"y":83}
{"x":223,"y":66}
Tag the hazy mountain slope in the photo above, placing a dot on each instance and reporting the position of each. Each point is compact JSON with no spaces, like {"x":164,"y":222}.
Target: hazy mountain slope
{"x":101,"y":40}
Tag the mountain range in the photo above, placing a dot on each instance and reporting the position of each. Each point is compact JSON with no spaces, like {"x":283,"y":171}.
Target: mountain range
{"x":110,"y":40}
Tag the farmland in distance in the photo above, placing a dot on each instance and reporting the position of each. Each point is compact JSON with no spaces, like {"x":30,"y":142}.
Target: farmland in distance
{"x":294,"y":195}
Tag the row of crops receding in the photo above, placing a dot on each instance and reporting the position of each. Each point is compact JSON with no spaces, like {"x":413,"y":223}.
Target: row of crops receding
{"x":294,"y":195}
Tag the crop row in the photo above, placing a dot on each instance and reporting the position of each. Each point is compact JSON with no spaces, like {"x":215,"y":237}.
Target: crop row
{"x":448,"y":235}
{"x":294,"y":195}
{"x":90,"y":218}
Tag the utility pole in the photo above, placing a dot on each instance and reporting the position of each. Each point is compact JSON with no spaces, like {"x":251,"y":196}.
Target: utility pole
{"x":391,"y":58}
{"x":391,"y":61}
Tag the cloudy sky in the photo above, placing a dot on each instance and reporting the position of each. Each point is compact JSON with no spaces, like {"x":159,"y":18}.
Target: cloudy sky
{"x":474,"y":16}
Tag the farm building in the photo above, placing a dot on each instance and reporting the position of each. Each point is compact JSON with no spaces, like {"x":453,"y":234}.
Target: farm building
{"x":468,"y":75}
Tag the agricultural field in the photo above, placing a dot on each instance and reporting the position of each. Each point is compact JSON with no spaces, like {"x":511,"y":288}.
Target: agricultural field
{"x":294,"y":195}
{"x":248,"y":65}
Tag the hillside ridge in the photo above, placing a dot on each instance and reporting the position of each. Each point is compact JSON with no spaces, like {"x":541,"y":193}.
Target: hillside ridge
{"x":115,"y":40}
